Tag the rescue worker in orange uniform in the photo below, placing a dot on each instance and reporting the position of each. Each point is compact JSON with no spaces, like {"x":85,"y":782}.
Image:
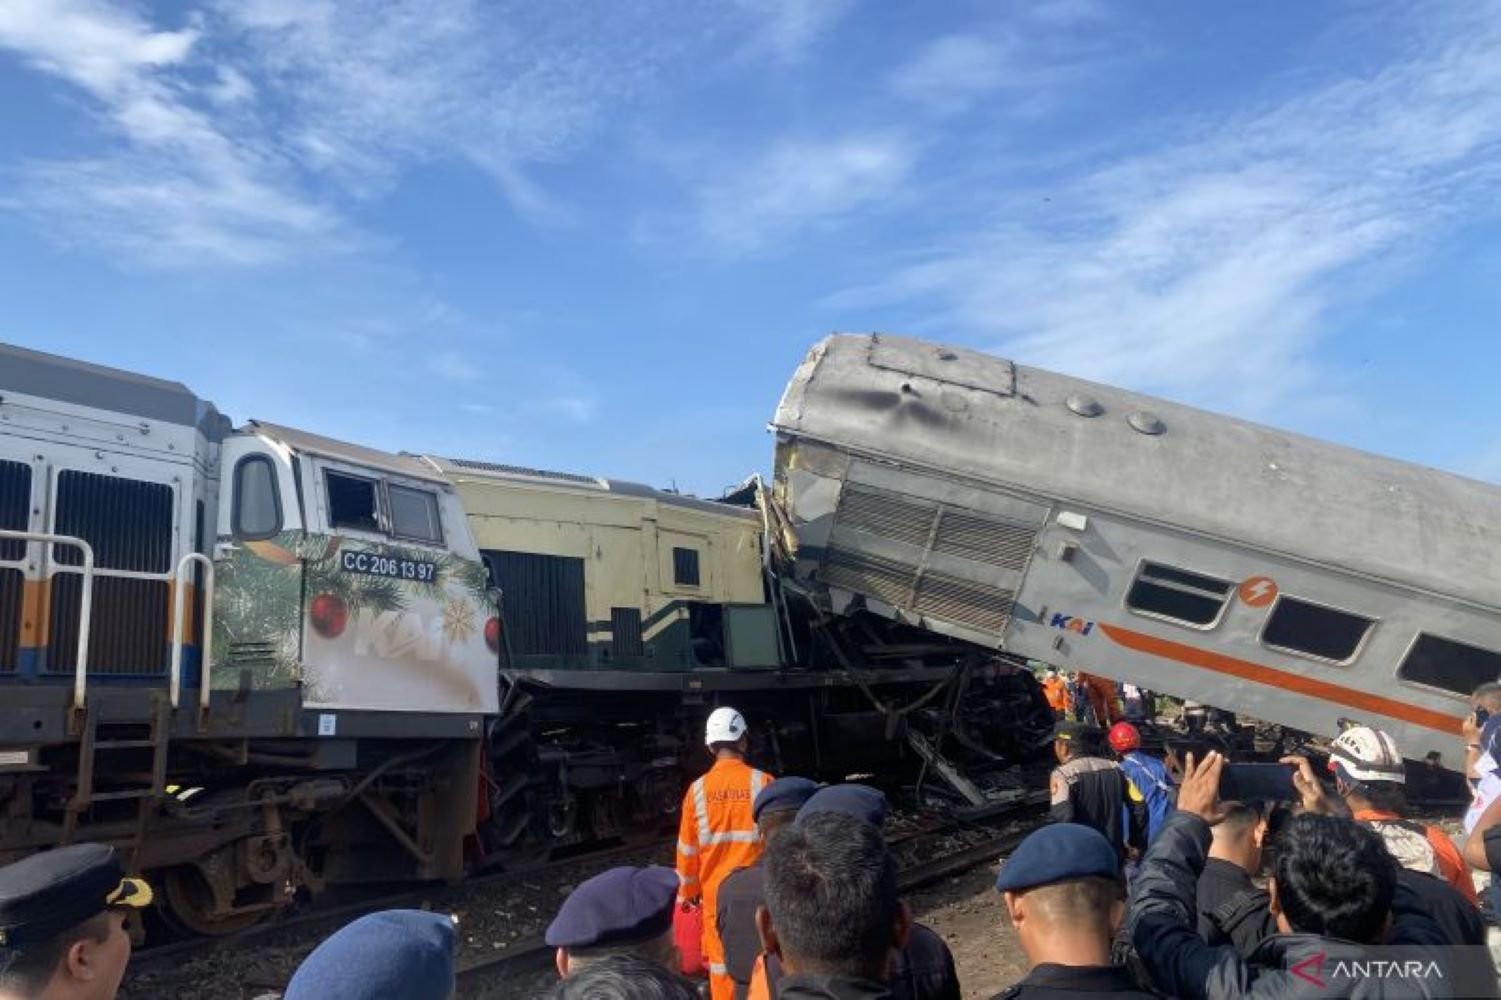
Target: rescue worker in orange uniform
{"x":1056,"y":690}
{"x":718,"y":832}
{"x":1102,"y":700}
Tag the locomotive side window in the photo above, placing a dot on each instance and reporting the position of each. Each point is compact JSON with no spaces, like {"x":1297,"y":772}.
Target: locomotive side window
{"x":257,"y":505}
{"x":351,"y":502}
{"x":685,"y":567}
{"x":1308,"y":629}
{"x":1177,"y":595}
{"x":1449,"y":665}
{"x":414,"y":514}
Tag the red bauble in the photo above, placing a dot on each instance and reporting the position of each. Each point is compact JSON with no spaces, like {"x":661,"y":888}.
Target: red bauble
{"x":329,"y":615}
{"x":492,"y":634}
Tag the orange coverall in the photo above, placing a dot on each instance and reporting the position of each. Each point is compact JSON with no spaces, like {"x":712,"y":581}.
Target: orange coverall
{"x":1057,"y":693}
{"x":716,"y":836}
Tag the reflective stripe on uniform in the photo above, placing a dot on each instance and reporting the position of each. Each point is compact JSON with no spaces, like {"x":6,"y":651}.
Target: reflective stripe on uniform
{"x":701,"y":810}
{"x":686,"y":879}
{"x":687,"y":850}
{"x":717,"y":969}
{"x":758,"y":781}
{"x":733,"y":837}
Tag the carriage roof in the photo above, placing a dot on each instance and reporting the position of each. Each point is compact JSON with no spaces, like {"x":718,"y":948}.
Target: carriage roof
{"x":964,"y":413}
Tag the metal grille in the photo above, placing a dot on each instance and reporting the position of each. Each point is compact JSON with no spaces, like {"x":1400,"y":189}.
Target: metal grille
{"x":886,"y":579}
{"x":625,"y":628}
{"x":12,"y":593}
{"x":886,"y":516}
{"x":128,"y":634}
{"x":128,"y":522}
{"x":15,"y":507}
{"x":974,"y":604}
{"x":995,"y":542}
{"x":521,"y":470}
{"x":543,"y":600}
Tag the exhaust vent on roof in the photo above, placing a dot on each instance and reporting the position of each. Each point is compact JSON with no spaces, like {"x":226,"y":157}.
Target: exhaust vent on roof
{"x":520,"y":470}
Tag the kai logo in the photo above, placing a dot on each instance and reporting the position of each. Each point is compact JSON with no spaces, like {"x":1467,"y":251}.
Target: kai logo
{"x":396,"y":635}
{"x":1071,"y":623}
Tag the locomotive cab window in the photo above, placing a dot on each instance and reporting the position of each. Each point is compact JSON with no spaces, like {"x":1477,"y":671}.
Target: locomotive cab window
{"x":1177,"y":595}
{"x":414,"y":514}
{"x":1313,"y":630}
{"x":351,"y":502}
{"x":685,"y":567}
{"x":257,"y":506}
{"x":1449,"y":665}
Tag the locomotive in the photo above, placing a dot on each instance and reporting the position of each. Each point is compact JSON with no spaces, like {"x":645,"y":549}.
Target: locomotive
{"x":261,"y":661}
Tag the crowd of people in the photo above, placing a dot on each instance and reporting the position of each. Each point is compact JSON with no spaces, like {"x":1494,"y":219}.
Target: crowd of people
{"x":1142,"y":886}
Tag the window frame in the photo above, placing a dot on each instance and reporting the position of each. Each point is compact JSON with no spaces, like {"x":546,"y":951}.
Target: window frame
{"x":1141,"y":565}
{"x":390,"y":513}
{"x":1360,"y":646}
{"x":1435,"y":689}
{"x":235,"y":506}
{"x":698,"y":569}
{"x":380,"y":528}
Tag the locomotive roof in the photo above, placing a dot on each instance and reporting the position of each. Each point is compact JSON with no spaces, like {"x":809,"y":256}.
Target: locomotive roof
{"x":464,"y":468}
{"x":317,"y":444}
{"x":37,"y":373}
{"x":961,"y":412}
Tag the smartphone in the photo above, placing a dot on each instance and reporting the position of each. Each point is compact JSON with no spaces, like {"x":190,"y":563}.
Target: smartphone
{"x":1257,"y":783}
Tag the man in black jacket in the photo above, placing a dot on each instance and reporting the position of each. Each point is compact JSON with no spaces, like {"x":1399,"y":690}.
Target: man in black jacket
{"x":832,"y":915}
{"x":1091,"y":789}
{"x":1232,"y":909}
{"x":1334,"y":894}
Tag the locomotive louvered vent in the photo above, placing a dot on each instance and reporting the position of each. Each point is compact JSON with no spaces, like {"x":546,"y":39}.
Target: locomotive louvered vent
{"x":887,"y":516}
{"x":129,"y":525}
{"x":251,"y":654}
{"x":885,"y":579}
{"x":15,"y":512}
{"x":974,"y":604}
{"x":521,"y":470}
{"x":999,"y":543}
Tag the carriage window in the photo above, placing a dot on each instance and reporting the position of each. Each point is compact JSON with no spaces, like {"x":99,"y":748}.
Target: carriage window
{"x":414,"y":514}
{"x":1177,"y":595}
{"x":257,"y":507}
{"x":1296,"y":626}
{"x":351,"y":502}
{"x":685,"y":567}
{"x":1452,"y":666}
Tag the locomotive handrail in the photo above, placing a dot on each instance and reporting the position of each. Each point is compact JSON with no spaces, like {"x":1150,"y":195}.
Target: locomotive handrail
{"x":206,"y":647}
{"x":86,"y":609}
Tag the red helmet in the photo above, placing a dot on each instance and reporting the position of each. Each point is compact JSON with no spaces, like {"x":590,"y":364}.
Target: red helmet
{"x":1123,"y":737}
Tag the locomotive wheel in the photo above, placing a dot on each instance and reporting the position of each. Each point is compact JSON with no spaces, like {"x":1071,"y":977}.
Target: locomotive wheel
{"x":189,"y":905}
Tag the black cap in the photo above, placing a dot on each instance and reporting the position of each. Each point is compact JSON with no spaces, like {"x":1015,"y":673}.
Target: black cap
{"x":620,"y":906}
{"x":1075,"y":732}
{"x":45,"y":894}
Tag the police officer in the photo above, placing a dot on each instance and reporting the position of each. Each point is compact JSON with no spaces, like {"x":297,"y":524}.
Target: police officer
{"x":62,"y":923}
{"x":718,"y":833}
{"x":1066,"y":899}
{"x":923,"y":968}
{"x":743,"y":892}
{"x":392,"y":953}
{"x":624,"y":911}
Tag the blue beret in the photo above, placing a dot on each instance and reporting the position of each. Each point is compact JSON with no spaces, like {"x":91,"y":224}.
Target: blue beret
{"x":1056,"y":853}
{"x":781,"y":795}
{"x":394,"y":953}
{"x":860,"y":801}
{"x":620,"y":906}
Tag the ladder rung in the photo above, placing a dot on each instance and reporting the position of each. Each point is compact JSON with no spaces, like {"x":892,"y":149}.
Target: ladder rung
{"x":130,"y":793}
{"x":123,"y":744}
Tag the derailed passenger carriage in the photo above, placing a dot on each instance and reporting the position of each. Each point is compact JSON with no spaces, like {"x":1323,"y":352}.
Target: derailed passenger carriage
{"x":255,"y":660}
{"x":1192,"y":554}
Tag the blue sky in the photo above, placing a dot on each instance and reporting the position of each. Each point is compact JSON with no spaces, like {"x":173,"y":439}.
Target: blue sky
{"x":599,"y":236}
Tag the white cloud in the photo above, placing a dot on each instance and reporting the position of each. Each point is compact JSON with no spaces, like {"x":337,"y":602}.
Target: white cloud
{"x":798,"y":183}
{"x":578,"y":409}
{"x":455,"y":367}
{"x":1206,"y":266}
{"x":952,"y":71}
{"x":788,"y":29}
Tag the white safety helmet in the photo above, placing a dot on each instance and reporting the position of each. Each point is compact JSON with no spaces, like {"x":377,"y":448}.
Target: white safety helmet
{"x":1366,"y":754}
{"x":725,"y":725}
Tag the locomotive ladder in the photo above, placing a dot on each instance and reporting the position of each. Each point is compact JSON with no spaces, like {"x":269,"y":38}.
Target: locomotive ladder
{"x":120,"y":736}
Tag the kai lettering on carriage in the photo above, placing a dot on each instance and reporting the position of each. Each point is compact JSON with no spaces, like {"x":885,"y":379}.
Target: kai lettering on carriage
{"x":1071,"y":623}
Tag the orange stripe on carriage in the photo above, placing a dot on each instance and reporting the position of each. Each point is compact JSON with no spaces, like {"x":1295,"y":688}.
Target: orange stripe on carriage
{"x":1283,"y":679}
